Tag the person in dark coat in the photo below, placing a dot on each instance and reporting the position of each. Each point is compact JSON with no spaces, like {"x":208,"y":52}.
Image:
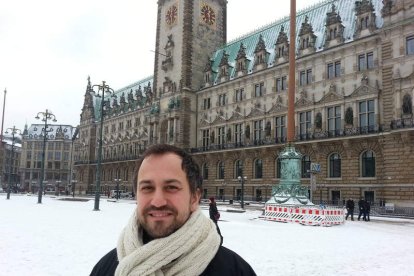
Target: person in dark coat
{"x":367,"y":210}
{"x":214,"y":215}
{"x":168,"y":233}
{"x":361,"y":207}
{"x":350,"y":205}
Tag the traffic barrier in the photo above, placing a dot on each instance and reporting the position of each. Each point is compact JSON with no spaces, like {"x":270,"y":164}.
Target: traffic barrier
{"x":305,"y":215}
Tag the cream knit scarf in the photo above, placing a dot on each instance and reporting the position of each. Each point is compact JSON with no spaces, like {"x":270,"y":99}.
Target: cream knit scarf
{"x":187,"y":251}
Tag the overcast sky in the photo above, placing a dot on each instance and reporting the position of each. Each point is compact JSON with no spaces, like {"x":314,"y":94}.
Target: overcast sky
{"x":48,"y":48}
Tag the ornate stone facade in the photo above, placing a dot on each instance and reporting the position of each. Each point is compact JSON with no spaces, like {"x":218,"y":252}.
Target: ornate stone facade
{"x":354,"y":89}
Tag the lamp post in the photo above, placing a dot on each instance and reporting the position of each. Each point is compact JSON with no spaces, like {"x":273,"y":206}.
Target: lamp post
{"x":117,"y":180}
{"x":44,"y":116}
{"x":242,"y":179}
{"x":57,"y":187}
{"x":73,"y":187}
{"x":105,"y":90}
{"x":13,"y":131}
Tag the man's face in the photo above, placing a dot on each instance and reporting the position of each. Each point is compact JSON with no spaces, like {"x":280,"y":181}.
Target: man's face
{"x":164,"y":200}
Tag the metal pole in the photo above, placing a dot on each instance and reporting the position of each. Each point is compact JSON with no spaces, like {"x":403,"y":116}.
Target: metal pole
{"x":11,"y":166}
{"x":2,"y":120}
{"x":98,"y":167}
{"x":42,"y":170}
{"x":291,"y":92}
{"x":242,"y":193}
{"x":117,"y":189}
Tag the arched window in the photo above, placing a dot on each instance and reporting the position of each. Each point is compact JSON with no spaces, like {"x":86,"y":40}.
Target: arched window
{"x":238,"y":168}
{"x":220,"y":170}
{"x":126,"y":174}
{"x":204,"y":169}
{"x":368,"y":164}
{"x":258,"y":168}
{"x":306,"y":162}
{"x":335,"y":165}
{"x":278,"y":167}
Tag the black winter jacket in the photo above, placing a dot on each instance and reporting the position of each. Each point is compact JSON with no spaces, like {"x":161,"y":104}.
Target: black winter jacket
{"x":225,"y":263}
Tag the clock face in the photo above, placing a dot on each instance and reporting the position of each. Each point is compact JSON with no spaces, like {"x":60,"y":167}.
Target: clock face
{"x":171,"y":15}
{"x":208,"y":15}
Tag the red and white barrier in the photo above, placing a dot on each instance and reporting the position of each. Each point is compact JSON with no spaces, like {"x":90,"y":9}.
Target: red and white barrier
{"x":306,"y":215}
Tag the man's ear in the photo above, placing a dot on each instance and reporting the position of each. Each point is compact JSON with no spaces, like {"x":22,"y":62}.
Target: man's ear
{"x":195,"y":200}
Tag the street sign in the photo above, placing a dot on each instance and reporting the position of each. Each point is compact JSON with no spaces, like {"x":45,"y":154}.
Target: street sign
{"x":315,"y":167}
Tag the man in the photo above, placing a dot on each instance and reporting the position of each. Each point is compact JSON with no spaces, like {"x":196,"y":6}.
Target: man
{"x":367,"y":210}
{"x":361,"y":207}
{"x":350,"y":205}
{"x":168,"y":234}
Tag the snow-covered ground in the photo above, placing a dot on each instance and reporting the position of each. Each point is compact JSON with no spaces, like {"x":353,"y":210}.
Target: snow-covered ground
{"x":67,"y":238}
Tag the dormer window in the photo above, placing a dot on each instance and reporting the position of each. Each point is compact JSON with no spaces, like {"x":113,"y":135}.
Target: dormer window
{"x":307,"y":38}
{"x":241,"y":60}
{"x":334,"y":28}
{"x":282,"y":45}
{"x":260,"y":54}
{"x":365,"y":18}
{"x":224,"y":67}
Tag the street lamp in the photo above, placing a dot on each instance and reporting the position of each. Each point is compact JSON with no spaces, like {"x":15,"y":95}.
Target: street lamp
{"x":13,"y":131}
{"x":73,"y":187}
{"x":45,"y":116}
{"x":105,"y":90}
{"x":242,"y":179}
{"x":117,"y":180}
{"x":57,"y":187}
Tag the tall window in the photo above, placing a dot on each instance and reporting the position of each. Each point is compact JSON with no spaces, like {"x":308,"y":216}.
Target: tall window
{"x":220,"y":170}
{"x":410,"y":45}
{"x":258,"y":168}
{"x":334,"y":120}
{"x":334,"y":165}
{"x":221,"y":136}
{"x":206,"y":103}
{"x":334,"y":69}
{"x":368,"y":164}
{"x":304,"y":123}
{"x":238,"y":133}
{"x":367,"y":115}
{"x":258,"y":129}
{"x":238,"y":168}
{"x":259,"y":89}
{"x":280,"y":128}
{"x":306,"y":162}
{"x":205,"y":171}
{"x":365,"y":61}
{"x":206,"y":138}
{"x":305,"y":77}
{"x":222,"y":100}
{"x":281,"y":84}
{"x":239,"y":94}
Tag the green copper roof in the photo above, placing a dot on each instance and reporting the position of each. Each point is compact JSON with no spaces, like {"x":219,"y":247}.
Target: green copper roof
{"x":124,"y":92}
{"x":316,"y":14}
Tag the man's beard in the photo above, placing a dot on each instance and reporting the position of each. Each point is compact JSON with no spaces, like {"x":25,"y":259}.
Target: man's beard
{"x":160,"y":229}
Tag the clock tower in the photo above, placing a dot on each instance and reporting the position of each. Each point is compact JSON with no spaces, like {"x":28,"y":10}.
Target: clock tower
{"x":188,"y":32}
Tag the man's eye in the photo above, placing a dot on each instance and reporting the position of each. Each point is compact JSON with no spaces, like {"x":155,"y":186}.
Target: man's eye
{"x":146,"y":188}
{"x":172,"y":188}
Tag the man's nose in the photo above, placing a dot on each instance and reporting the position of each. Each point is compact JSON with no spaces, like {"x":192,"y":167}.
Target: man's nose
{"x":158,"y":199}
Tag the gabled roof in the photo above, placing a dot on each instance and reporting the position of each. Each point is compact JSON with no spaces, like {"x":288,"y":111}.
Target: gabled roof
{"x":316,"y":17}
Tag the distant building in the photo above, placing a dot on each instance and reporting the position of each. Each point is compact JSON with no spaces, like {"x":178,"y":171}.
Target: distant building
{"x":226,"y":102}
{"x":58,"y":157}
{"x":10,"y":162}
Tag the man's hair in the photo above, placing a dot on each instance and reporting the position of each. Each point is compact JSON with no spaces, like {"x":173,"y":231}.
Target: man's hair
{"x":189,"y":166}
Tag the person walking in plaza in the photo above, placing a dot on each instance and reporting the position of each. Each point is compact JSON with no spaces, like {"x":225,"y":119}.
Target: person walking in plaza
{"x":350,"y":205}
{"x":367,"y":210}
{"x":361,"y":207}
{"x":168,"y":234}
{"x":214,"y":215}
